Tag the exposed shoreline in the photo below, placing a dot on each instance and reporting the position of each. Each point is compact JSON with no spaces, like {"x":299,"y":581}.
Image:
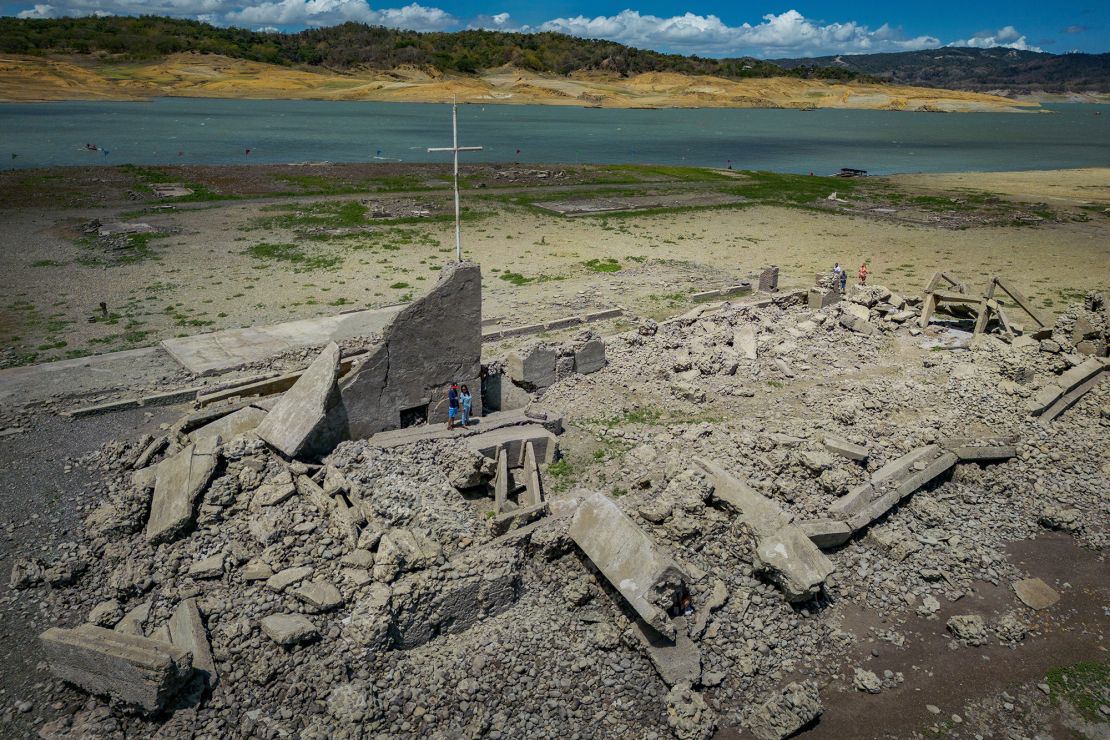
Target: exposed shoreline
{"x":42,"y":79}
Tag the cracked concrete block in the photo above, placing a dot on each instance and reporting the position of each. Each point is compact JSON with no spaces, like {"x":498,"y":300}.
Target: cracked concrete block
{"x":533,"y":367}
{"x":434,"y":341}
{"x":308,"y":419}
{"x":826,"y":533}
{"x":590,"y":357}
{"x":133,"y":670}
{"x":178,"y":484}
{"x":289,"y":629}
{"x":186,"y":631}
{"x":785,"y":553}
{"x":640,"y":569}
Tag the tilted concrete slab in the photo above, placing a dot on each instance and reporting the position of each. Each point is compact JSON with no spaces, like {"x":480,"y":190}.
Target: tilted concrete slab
{"x":844,"y":448}
{"x":676,"y":661}
{"x":178,"y":484}
{"x":434,"y":341}
{"x":134,"y":670}
{"x":644,"y":573}
{"x":240,"y":422}
{"x":533,"y":489}
{"x":826,"y":533}
{"x":187,"y":632}
{"x":308,"y":419}
{"x":206,"y":354}
{"x":892,"y":483}
{"x":785,"y":553}
{"x":1056,"y":397}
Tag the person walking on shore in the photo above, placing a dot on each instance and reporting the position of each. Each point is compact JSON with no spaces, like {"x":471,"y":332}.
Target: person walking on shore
{"x":466,"y":406}
{"x":452,"y":405}
{"x":863,"y":273}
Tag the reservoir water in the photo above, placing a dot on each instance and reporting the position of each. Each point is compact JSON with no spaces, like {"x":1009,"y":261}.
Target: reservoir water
{"x":211,"y":131}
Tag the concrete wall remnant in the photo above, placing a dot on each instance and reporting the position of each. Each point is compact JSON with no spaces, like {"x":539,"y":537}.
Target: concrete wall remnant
{"x":178,"y":484}
{"x":642,"y":571}
{"x":590,"y":357}
{"x":432,"y":342}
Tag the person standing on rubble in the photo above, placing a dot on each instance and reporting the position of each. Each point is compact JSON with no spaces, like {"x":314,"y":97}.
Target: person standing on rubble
{"x":843,"y":281}
{"x":452,"y":405}
{"x":466,"y":406}
{"x":863,"y":273}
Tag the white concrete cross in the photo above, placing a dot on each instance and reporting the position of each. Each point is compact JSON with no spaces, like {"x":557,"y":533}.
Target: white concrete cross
{"x":455,"y":148}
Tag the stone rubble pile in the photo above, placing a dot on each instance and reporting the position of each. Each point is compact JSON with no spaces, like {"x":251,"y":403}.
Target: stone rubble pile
{"x":229,"y":584}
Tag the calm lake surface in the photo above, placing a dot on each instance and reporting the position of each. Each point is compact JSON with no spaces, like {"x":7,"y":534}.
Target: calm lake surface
{"x":207,"y":131}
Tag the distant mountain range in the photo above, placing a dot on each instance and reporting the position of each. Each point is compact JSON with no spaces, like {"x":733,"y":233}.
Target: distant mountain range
{"x":981,"y":70}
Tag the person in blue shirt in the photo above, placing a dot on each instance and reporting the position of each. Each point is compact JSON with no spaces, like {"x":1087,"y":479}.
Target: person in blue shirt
{"x":466,"y":405}
{"x":452,"y":405}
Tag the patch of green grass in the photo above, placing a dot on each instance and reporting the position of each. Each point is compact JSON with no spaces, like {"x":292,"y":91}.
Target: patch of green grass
{"x":292,"y":254}
{"x":400,"y":286}
{"x":786,"y":189}
{"x":1085,"y":686}
{"x":607,"y":264}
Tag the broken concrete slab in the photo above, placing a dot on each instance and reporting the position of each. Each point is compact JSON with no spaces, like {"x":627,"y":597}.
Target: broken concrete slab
{"x":178,"y":484}
{"x":826,"y":533}
{"x":676,"y":661}
{"x":979,"y":450}
{"x":890,"y":484}
{"x":644,"y":573}
{"x":317,"y":596}
{"x":1035,"y":593}
{"x":434,"y":341}
{"x":133,"y":670}
{"x":285,"y":578}
{"x":744,"y":342}
{"x":501,"y":481}
{"x":404,"y":550}
{"x":590,"y":357}
{"x":514,"y":441}
{"x":240,"y":422}
{"x":309,"y":418}
{"x":844,"y":448}
{"x":207,"y":568}
{"x":134,"y":621}
{"x":516,"y":518}
{"x":289,"y":629}
{"x":533,"y":489}
{"x":786,"y":555}
{"x":532,"y":367}
{"x":1057,"y":396}
{"x":186,"y":631}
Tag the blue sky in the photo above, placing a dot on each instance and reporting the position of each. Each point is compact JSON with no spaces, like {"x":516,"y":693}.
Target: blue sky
{"x":706,"y":27}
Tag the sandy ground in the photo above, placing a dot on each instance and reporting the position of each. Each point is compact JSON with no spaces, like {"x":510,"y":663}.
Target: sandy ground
{"x":213,"y":76}
{"x":219,"y":266}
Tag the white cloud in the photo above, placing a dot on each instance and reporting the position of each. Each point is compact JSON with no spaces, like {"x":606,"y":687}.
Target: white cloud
{"x":786,"y":34}
{"x":331,"y":12}
{"x":1007,"y":37}
{"x":39,"y":11}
